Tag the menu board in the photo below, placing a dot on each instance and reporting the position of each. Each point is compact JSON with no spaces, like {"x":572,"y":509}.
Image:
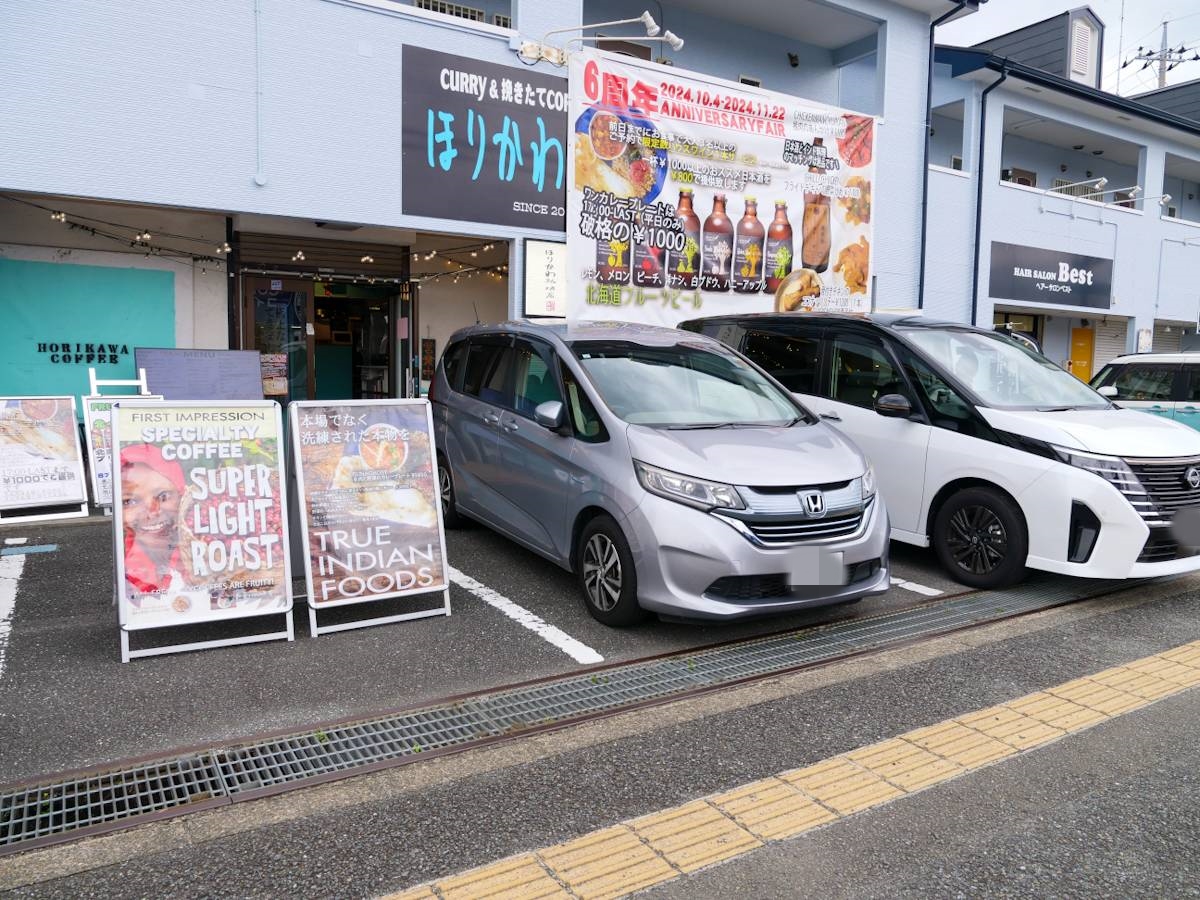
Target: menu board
{"x":178,"y":374}
{"x":97,"y":422}
{"x":690,"y":196}
{"x":369,"y":511}
{"x":40,"y":459}
{"x":201,"y":522}
{"x":545,"y":278}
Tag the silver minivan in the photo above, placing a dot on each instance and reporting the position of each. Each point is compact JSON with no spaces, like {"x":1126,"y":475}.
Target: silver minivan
{"x":664,"y":469}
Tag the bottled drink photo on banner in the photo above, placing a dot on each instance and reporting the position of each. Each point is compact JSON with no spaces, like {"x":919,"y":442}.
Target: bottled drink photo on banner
{"x":689,"y":196}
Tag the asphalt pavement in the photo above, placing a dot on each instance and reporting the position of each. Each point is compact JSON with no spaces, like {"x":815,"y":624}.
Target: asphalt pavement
{"x":67,"y":702}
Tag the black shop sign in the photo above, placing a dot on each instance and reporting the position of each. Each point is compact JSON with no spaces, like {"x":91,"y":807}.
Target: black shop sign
{"x":1048,"y":276}
{"x":82,"y":354}
{"x":483,"y":142}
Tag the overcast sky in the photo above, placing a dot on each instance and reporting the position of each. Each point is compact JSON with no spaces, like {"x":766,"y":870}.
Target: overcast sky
{"x":1142,"y":25}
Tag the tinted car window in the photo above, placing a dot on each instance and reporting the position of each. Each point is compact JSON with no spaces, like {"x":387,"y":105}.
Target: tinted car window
{"x":585,"y":421}
{"x":860,"y":371}
{"x":533,"y":379}
{"x":1143,"y":381}
{"x":486,"y":371}
{"x":791,"y":359}
{"x":944,"y":405}
{"x":452,"y":364}
{"x":1191,"y":393}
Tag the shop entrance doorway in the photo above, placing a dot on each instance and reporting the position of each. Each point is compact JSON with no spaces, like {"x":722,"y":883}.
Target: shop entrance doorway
{"x":1083,"y":345}
{"x":328,"y":339}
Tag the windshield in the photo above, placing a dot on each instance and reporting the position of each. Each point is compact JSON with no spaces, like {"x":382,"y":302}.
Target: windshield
{"x":682,"y":386}
{"x":1002,"y":373}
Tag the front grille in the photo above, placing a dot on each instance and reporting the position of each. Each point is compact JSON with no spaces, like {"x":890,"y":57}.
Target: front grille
{"x":748,"y":588}
{"x":1161,"y":547}
{"x":793,"y":530}
{"x":1164,"y":489}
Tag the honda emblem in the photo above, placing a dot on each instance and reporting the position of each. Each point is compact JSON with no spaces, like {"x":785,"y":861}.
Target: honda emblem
{"x":814,"y":503}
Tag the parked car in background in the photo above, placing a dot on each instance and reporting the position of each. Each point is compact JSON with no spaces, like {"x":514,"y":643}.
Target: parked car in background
{"x":1165,"y":384}
{"x":985,"y":449}
{"x":662,"y":468}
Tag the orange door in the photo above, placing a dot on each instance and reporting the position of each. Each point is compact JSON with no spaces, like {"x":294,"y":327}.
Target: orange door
{"x":1083,"y":343}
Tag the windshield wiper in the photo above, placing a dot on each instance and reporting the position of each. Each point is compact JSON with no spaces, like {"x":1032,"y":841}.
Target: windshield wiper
{"x":701,"y":425}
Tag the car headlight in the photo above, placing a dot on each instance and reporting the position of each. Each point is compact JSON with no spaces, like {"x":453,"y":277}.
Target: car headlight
{"x":1112,"y":469}
{"x":868,"y":483}
{"x":684,"y":489}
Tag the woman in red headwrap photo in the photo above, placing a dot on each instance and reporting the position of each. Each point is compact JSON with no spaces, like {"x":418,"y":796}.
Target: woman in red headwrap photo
{"x":151,"y":488}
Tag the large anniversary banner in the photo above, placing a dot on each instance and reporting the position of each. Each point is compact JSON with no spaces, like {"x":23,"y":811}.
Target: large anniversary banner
{"x":199,"y":512}
{"x":368,"y":500}
{"x":689,"y":196}
{"x":40,"y":459}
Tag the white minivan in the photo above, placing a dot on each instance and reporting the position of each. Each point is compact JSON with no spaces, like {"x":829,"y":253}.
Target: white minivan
{"x":985,"y":449}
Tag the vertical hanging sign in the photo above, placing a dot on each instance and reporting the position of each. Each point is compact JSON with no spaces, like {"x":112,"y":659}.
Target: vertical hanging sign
{"x":369,"y":506}
{"x":199,"y":517}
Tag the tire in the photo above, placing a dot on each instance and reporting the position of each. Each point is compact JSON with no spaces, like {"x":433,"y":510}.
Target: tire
{"x":451,"y":517}
{"x":607,"y":577}
{"x":980,"y":538}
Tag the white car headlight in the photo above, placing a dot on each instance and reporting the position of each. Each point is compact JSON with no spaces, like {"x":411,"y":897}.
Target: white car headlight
{"x":1112,"y":469}
{"x":868,"y":482}
{"x":684,"y":489}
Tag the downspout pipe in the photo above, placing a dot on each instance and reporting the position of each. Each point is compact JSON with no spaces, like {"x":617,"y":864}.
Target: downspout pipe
{"x":925,"y":169}
{"x":983,"y":98}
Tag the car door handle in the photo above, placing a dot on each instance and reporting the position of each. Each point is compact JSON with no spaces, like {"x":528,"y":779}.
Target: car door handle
{"x":510,"y":426}
{"x":831,"y":416}
{"x":490,"y":419}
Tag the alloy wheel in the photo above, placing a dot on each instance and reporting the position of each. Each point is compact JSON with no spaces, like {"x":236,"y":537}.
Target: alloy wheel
{"x":977,"y":540}
{"x":602,"y":577}
{"x":445,"y":489}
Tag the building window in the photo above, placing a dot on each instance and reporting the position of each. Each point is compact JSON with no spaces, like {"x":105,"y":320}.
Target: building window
{"x":1172,"y":212}
{"x":502,"y":21}
{"x":1019,"y":176}
{"x":956,"y":163}
{"x":451,"y":9}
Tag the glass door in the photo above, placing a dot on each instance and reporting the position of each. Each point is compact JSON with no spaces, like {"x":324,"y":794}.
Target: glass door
{"x":279,"y":313}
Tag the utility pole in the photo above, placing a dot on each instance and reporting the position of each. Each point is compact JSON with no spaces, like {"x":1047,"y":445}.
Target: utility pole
{"x":1166,"y":57}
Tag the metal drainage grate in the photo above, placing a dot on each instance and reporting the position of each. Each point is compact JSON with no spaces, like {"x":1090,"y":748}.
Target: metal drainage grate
{"x":60,"y":810}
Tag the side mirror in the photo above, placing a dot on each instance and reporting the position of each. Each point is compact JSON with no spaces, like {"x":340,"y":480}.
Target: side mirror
{"x":893,"y":406}
{"x":1108,"y":391}
{"x":549,"y":414}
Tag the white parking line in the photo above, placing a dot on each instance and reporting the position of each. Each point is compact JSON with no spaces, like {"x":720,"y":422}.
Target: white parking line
{"x":10,"y":574}
{"x":578,"y":651}
{"x":916,"y":588}
{"x":12,"y":541}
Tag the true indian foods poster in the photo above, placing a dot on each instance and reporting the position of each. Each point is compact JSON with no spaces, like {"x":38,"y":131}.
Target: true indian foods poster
{"x":690,"y":196}
{"x":200,"y":513}
{"x":40,"y":459}
{"x":369,"y":500}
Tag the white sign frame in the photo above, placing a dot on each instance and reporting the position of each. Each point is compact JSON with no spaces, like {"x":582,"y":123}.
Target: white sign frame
{"x":89,"y":421}
{"x":294,"y":411}
{"x":289,"y":632}
{"x":13,"y":512}
{"x":531,"y":246}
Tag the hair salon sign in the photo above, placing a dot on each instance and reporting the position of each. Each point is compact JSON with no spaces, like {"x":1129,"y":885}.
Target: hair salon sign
{"x":1047,"y":276}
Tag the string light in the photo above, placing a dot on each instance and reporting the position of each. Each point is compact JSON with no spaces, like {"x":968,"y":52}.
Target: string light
{"x":367,"y":259}
{"x":299,"y":256}
{"x":58,"y":216}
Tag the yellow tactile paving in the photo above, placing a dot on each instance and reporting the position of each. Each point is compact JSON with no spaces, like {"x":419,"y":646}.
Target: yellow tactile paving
{"x":608,"y":863}
{"x":960,"y":744}
{"x":509,"y":879}
{"x":634,"y":855}
{"x":772,"y":809}
{"x":905,"y":765}
{"x":693,"y":836}
{"x":1057,"y":712}
{"x":1188,"y":654}
{"x":1149,"y":687}
{"x":1168,"y":669}
{"x":842,"y":785}
{"x":1097,"y":696}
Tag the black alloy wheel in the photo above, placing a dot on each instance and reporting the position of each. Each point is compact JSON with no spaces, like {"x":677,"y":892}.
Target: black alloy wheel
{"x":980,"y":538}
{"x":606,"y":574}
{"x":450,"y":515}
